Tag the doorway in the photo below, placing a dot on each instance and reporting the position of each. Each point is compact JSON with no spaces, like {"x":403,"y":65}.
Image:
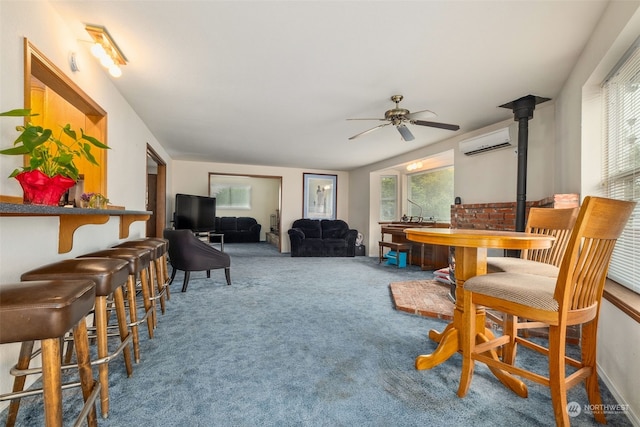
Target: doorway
{"x":258,"y":196}
{"x":156,"y":194}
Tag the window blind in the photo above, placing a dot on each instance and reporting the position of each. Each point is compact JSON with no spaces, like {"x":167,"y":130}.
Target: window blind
{"x":621,"y":165}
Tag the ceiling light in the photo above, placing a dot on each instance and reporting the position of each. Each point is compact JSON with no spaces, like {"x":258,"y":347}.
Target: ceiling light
{"x":106,"y":50}
{"x":414,"y":166}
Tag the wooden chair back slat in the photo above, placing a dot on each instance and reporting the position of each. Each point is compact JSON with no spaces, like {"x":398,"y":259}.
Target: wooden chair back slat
{"x":554,"y":222}
{"x":583,"y":271}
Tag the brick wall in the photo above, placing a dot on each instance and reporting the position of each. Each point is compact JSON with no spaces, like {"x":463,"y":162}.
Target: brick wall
{"x":502,"y":216}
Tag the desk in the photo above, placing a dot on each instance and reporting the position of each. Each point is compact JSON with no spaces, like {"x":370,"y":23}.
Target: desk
{"x":471,"y":260}
{"x":428,"y":257}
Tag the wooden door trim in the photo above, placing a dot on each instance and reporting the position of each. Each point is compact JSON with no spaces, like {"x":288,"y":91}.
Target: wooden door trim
{"x":161,"y":191}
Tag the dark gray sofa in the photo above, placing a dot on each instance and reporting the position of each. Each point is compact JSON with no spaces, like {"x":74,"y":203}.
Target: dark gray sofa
{"x":238,"y":229}
{"x":322,"y":238}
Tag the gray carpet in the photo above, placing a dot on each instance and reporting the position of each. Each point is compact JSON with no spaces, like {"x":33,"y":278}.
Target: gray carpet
{"x":304,"y":342}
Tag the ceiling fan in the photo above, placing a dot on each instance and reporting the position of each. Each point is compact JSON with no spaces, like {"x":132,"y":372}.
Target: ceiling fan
{"x":399,"y":116}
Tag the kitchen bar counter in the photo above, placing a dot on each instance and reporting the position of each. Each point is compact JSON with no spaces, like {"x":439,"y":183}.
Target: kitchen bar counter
{"x":73,"y":218}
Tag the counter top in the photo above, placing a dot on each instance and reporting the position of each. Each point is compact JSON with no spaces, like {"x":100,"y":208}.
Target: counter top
{"x":73,"y":218}
{"x":8,"y":209}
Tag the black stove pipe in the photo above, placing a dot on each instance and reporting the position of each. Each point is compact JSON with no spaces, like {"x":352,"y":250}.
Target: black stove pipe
{"x":522,"y":113}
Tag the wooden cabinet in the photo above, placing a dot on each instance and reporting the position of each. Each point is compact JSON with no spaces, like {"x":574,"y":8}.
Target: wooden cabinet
{"x":427,"y":256}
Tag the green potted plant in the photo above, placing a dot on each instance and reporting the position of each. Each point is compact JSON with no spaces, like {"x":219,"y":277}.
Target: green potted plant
{"x":51,"y":170}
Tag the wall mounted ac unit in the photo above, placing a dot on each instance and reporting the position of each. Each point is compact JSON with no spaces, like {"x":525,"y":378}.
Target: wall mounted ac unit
{"x":495,"y":140}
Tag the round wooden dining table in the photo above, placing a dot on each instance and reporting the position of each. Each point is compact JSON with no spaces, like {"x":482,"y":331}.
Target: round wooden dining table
{"x":471,"y":260}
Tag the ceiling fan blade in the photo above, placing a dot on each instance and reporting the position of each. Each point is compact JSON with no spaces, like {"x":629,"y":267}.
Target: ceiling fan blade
{"x":405,"y":132}
{"x":370,"y":130}
{"x":424,"y":114}
{"x":382,"y":120}
{"x":435,"y":125}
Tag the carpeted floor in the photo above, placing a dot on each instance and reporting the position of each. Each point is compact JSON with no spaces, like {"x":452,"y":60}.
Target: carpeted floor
{"x":304,"y":342}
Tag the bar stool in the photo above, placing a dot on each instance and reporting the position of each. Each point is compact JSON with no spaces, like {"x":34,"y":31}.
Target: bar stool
{"x":110,"y":277}
{"x":158,"y":266}
{"x":138,"y":260}
{"x":45,"y":311}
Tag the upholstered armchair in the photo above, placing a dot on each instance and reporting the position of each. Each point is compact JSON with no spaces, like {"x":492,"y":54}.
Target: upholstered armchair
{"x":188,"y":253}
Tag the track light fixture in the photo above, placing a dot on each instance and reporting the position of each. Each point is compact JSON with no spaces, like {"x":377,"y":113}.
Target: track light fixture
{"x":106,"y":50}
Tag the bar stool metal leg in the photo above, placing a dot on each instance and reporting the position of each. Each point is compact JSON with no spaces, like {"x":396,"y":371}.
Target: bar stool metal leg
{"x":157,"y":267}
{"x":138,"y":260}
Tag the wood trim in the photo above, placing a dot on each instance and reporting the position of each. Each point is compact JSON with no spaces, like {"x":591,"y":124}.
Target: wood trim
{"x":161,"y":192}
{"x":127,"y":220}
{"x":57,"y":80}
{"x":11,"y":199}
{"x":38,"y":67}
{"x":70,"y":223}
{"x":623,"y":298}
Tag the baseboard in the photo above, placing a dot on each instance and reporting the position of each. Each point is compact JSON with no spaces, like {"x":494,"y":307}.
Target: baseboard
{"x":633,"y":417}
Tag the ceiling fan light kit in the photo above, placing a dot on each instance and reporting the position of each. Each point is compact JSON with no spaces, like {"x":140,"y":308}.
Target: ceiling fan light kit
{"x":400,"y":116}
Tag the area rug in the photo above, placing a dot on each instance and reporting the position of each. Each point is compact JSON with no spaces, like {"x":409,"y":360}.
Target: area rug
{"x":428,"y":298}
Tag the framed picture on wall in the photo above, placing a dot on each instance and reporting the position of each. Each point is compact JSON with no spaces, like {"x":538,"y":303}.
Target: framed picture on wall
{"x":319,"y":196}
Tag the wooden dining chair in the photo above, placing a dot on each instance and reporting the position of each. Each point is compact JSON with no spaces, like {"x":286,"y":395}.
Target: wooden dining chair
{"x":544,"y":262}
{"x":573,"y":298}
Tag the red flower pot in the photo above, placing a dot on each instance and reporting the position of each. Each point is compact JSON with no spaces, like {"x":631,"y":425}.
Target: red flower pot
{"x":40,"y":189}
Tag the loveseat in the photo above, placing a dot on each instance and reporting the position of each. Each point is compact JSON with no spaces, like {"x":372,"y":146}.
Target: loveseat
{"x":238,"y":229}
{"x":322,"y":238}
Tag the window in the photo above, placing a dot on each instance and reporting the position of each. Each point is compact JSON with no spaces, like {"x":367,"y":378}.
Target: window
{"x":388,"y":198}
{"x":231,"y":196}
{"x":621,"y":165}
{"x":432,"y":192}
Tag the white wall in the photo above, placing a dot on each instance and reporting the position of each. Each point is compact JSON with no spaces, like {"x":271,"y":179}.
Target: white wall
{"x":493,"y":176}
{"x":28,"y":242}
{"x":579,"y":131}
{"x":193,"y":178}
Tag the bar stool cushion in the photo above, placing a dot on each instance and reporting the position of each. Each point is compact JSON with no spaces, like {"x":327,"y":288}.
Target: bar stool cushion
{"x":43,"y":309}
{"x":138,"y":258}
{"x":107,"y":274}
{"x":158,"y":244}
{"x":157,"y":248}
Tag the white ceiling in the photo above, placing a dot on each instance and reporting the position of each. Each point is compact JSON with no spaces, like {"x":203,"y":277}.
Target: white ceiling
{"x":273,"y":82}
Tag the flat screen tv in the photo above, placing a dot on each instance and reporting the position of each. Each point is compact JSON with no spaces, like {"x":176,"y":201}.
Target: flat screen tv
{"x":196,"y":213}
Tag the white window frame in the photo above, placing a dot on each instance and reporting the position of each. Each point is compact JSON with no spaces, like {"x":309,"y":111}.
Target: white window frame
{"x":393,"y":199}
{"x":621,"y":160}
